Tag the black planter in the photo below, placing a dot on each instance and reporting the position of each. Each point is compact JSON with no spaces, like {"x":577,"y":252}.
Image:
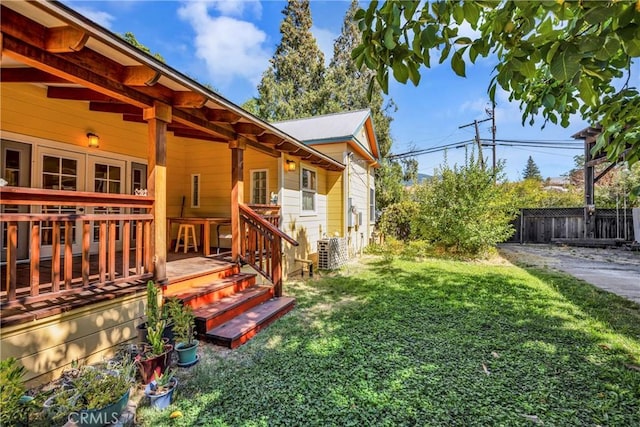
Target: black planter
{"x":167,"y":333}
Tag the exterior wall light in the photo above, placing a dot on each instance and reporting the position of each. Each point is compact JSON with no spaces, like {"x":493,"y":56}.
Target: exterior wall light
{"x":291,"y":165}
{"x":93,"y":140}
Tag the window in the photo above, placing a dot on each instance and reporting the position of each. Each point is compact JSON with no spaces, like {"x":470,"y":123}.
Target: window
{"x":259,"y":179}
{"x":372,"y":205}
{"x":195,"y":190}
{"x":308,"y":187}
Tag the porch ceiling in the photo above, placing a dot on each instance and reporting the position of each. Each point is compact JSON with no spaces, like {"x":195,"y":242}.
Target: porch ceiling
{"x":48,"y":44}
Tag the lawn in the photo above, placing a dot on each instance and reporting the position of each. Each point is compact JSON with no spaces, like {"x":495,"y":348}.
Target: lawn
{"x":427,"y":343}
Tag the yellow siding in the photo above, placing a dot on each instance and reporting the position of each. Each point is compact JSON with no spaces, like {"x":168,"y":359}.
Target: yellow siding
{"x":255,"y":160}
{"x":335,"y":204}
{"x":27,"y":110}
{"x":44,"y":347}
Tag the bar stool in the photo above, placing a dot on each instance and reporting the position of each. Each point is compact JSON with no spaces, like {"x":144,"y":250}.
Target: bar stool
{"x":185,"y":231}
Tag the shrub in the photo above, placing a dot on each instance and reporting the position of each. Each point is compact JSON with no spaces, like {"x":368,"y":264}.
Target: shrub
{"x":463,"y":211}
{"x":397,"y":220}
{"x":11,"y":390}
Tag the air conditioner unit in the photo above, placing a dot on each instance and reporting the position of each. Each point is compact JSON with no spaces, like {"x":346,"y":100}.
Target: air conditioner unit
{"x":332,"y":253}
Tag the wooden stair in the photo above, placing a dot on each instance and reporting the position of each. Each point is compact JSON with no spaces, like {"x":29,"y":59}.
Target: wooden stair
{"x":230,"y":308}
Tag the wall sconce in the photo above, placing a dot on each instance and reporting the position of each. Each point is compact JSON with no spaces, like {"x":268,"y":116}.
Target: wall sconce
{"x":291,"y":165}
{"x":93,"y":140}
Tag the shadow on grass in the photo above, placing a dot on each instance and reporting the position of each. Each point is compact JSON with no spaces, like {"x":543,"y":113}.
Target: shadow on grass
{"x":433,"y":343}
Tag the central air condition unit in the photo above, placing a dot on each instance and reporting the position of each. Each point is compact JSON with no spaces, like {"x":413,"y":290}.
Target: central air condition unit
{"x":332,"y":253}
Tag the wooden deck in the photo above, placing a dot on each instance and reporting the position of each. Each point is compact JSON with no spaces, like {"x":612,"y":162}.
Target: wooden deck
{"x":26,"y":308}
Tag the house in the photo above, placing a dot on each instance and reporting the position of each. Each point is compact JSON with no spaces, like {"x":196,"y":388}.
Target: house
{"x":106,"y":152}
{"x":348,"y":138}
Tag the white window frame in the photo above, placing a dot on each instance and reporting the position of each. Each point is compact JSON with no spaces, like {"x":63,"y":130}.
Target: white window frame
{"x":308,"y":190}
{"x":196,"y":190}
{"x":252,"y":186}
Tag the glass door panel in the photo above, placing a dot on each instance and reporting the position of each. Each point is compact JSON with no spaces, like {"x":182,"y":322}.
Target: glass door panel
{"x":60,"y":171}
{"x":15,"y":169}
{"x":106,"y":176}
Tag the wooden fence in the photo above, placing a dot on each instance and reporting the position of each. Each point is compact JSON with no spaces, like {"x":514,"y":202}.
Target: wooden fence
{"x":547,"y":224}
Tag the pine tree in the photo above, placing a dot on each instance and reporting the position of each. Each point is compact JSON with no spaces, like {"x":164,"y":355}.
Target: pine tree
{"x":531,"y":171}
{"x":291,"y":86}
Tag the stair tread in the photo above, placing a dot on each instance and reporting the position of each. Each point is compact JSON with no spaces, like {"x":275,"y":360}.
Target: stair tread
{"x":239,"y":325}
{"x":217,"y":284}
{"x":227,"y":303}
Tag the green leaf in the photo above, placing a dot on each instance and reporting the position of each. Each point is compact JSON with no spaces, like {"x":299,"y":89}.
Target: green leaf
{"x":389,"y":42}
{"x":528,"y":69}
{"x":458,"y":13}
{"x":631,"y":47}
{"x":549,"y":101}
{"x":471,"y":12}
{"x":463,"y":40}
{"x":429,"y":36}
{"x":609,"y":49}
{"x":458,"y":65}
{"x":473,"y":53}
{"x":414,"y":73}
{"x":400,"y":72}
{"x":565,"y":63}
{"x":587,"y":93}
{"x":445,"y":53}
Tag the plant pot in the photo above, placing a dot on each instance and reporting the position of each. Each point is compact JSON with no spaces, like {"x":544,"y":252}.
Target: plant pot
{"x":166,"y":333}
{"x":187,"y":354}
{"x":109,"y":414}
{"x":149,"y":367}
{"x":160,"y":400}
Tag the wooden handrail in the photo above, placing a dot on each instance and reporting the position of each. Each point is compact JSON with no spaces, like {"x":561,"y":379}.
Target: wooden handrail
{"x":40,"y":197}
{"x":55,"y":230}
{"x":261,"y":246}
{"x":253,"y":215}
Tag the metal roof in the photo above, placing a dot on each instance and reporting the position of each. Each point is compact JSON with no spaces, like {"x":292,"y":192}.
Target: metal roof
{"x":330,"y":127}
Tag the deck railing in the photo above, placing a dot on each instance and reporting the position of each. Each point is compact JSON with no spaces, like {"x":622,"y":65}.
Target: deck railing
{"x":55,"y":232}
{"x":261,"y":246}
{"x":270,"y":213}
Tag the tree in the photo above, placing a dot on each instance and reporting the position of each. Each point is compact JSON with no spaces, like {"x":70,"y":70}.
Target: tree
{"x":531,"y":171}
{"x":556,"y":58}
{"x":462,"y":211}
{"x":130,"y":38}
{"x":291,"y":86}
{"x":346,"y":87}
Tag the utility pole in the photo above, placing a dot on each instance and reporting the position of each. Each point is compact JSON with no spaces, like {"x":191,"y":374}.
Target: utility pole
{"x":493,"y":133}
{"x":475,"y":123}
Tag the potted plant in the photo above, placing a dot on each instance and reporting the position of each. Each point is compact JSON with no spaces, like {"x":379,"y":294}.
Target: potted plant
{"x":160,"y":390}
{"x":92,"y":396}
{"x":154,"y":313}
{"x":155,"y":355}
{"x":184,"y":331}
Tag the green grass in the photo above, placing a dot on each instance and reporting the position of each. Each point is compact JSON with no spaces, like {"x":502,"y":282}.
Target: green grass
{"x":429,"y":343}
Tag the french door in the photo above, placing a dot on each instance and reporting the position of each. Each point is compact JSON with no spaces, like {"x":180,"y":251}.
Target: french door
{"x":15,"y":169}
{"x":106,"y":176}
{"x":60,"y":170}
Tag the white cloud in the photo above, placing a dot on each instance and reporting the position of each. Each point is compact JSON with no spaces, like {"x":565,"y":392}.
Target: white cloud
{"x":236,"y":7}
{"x":325,"y":39}
{"x":97,"y":16}
{"x":230,"y":47}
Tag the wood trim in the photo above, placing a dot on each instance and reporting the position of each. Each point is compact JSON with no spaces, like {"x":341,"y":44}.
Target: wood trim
{"x":28,"y":75}
{"x":65,"y":39}
{"x":140,"y":75}
{"x":38,"y":196}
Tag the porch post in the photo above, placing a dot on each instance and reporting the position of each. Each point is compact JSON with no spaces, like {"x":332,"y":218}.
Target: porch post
{"x":237,"y":194}
{"x":157,"y":118}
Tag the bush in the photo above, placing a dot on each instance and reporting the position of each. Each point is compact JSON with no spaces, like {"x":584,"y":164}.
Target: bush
{"x":397,"y":220}
{"x":11,"y":390}
{"x":463,"y":211}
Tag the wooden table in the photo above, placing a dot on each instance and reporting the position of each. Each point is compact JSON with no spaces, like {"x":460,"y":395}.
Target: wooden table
{"x":205,"y":224}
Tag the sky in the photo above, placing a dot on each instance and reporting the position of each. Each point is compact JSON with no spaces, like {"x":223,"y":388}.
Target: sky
{"x":228,"y":44}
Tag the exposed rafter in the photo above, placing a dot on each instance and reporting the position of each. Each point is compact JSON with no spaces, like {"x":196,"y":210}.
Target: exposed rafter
{"x":248,"y":129}
{"x":65,"y":39}
{"x":222,"y":116}
{"x":28,"y":75}
{"x":140,"y":75}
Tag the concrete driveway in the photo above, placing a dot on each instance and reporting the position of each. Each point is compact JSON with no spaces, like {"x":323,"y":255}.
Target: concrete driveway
{"x":614,"y":270}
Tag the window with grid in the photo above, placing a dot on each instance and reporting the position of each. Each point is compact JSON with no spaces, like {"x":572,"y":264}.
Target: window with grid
{"x":308,"y":187}
{"x":259,"y":191}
